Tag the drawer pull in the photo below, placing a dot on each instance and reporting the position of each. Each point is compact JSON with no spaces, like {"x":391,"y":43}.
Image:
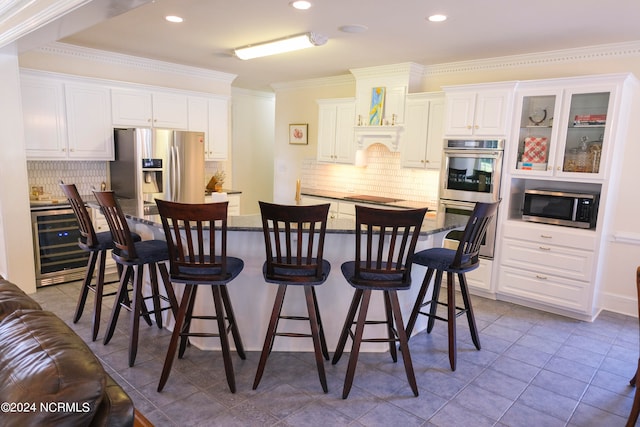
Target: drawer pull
{"x":541,"y":277}
{"x":546,"y":236}
{"x":544,"y":248}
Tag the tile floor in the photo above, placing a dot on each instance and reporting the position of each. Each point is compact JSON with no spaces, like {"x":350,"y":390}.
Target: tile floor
{"x":534,"y":369}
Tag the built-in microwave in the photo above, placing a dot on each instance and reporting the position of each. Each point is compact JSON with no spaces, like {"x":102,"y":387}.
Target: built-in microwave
{"x":556,"y":207}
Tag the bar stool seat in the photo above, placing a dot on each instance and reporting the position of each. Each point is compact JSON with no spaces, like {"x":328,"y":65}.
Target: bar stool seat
{"x":197,"y":244}
{"x":453,"y":262}
{"x":294,"y":244}
{"x":133,"y":256}
{"x":385,"y":245}
{"x":97,"y":244}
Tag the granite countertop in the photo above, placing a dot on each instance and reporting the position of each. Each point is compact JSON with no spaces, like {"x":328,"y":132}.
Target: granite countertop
{"x":254,"y":222}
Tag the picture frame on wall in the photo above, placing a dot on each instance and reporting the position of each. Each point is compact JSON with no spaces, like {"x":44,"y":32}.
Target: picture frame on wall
{"x":298,"y":134}
{"x":377,"y":106}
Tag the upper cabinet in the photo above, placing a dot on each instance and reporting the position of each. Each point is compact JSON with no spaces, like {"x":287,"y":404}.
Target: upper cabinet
{"x":217,"y":145}
{"x":563,"y":132}
{"x":65,"y":119}
{"x":478,"y":110}
{"x":335,"y":130}
{"x":424,"y":124}
{"x":149,"y":109}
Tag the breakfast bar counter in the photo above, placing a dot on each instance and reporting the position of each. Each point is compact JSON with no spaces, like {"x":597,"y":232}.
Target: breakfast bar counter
{"x":252,"y":298}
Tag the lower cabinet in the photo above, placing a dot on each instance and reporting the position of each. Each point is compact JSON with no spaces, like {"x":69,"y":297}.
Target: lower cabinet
{"x":550,"y":265}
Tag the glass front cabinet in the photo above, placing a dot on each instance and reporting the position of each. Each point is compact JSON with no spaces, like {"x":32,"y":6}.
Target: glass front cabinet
{"x":562,"y":132}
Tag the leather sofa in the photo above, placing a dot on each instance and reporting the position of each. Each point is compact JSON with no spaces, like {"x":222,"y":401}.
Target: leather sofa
{"x":48,"y":375}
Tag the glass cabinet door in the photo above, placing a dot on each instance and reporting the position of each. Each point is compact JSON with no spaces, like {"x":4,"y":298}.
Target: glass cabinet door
{"x":537,"y":133}
{"x":585,"y":133}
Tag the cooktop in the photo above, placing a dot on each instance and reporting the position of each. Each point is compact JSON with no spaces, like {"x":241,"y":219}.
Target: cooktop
{"x":376,"y":199}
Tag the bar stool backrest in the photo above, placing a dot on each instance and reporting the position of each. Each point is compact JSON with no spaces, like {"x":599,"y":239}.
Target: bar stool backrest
{"x":124,"y":249}
{"x":196,"y":237}
{"x":294,"y":242}
{"x":474,"y":233}
{"x":85,"y":224}
{"x":385,"y":243}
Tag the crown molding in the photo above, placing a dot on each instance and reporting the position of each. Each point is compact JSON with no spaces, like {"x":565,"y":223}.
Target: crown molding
{"x":21,"y":17}
{"x":129,"y":61}
{"x":344,"y":79}
{"x":411,"y":69}
{"x":588,"y":53}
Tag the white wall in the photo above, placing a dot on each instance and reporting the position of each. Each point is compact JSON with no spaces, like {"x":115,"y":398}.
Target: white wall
{"x":252,"y":132}
{"x":16,"y":253}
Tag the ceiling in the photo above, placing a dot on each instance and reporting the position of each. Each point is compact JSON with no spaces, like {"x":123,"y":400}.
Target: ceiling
{"x":397,"y":32}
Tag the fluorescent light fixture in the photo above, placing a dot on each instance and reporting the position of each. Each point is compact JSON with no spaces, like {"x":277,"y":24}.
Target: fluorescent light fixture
{"x":287,"y":44}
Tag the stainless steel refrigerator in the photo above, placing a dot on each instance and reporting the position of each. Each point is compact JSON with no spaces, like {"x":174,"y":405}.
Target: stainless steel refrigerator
{"x":158,"y":164}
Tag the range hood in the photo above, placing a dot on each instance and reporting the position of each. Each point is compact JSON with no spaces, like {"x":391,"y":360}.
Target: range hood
{"x":386,"y":135}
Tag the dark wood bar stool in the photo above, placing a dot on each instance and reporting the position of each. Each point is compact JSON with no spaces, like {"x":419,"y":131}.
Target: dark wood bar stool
{"x":294,"y":243}
{"x":385,"y":245}
{"x":133,"y":257}
{"x":97,"y":244}
{"x":197,"y":241}
{"x":453,"y":262}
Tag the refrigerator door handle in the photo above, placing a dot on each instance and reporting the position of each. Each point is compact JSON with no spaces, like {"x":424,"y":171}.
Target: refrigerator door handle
{"x":178,"y":176}
{"x":172,"y":174}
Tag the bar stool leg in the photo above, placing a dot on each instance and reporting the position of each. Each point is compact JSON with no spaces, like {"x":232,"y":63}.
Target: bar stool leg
{"x":437,"y":285}
{"x":404,"y":341}
{"x":186,"y":327}
{"x":451,"y":320}
{"x":323,"y":341}
{"x":235,"y":332}
{"x":390,"y":330}
{"x":357,"y":339}
{"x":313,"y":320}
{"x":419,"y":301}
{"x":155,"y":294}
{"x":224,"y":339}
{"x":86,"y":284}
{"x":177,"y":330}
{"x":97,"y":303}
{"x":467,"y":305}
{"x":355,"y":302}
{"x":270,"y":336}
{"x":122,"y":296}
{"x":135,"y":315}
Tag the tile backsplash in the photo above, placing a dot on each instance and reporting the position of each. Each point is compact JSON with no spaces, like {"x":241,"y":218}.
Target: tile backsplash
{"x":383,"y":176}
{"x":85,"y":175}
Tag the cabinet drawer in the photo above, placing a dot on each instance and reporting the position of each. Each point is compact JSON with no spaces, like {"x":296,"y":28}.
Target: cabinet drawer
{"x":550,"y":259}
{"x":548,"y":289}
{"x":551,"y":235}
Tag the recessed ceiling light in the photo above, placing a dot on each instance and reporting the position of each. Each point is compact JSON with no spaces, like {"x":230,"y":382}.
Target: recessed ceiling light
{"x":301,"y":4}
{"x":173,"y":18}
{"x":437,"y":18}
{"x":353,"y":28}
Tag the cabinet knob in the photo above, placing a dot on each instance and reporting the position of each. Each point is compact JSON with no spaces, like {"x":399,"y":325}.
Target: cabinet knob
{"x":558,"y":168}
{"x":477,"y":127}
{"x":148,"y":120}
{"x":468,"y":126}
{"x":71,"y":149}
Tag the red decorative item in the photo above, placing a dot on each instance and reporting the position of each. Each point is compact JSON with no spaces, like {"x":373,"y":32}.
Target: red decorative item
{"x":535,"y":150}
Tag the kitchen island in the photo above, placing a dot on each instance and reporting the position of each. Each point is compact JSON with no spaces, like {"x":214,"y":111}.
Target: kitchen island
{"x":252,"y":298}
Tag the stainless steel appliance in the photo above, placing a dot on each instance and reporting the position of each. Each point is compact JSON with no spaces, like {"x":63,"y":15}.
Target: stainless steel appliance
{"x":456,"y":212}
{"x":556,"y":207}
{"x":158,"y":163}
{"x":471,"y":172}
{"x":57,"y":255}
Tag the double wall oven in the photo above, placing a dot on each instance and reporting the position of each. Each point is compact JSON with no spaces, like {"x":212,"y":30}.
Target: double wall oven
{"x":471,"y":172}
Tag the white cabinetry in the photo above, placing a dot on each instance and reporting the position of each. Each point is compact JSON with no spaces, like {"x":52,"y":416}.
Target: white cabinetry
{"x":424,"y":124}
{"x":89,"y":122}
{"x":133,"y":107}
{"x":335,"y":130}
{"x":233,"y":208}
{"x":311,"y":200}
{"x":478,"y":110}
{"x":44,"y":118}
{"x":211,"y":116}
{"x":65,"y":119}
{"x":549,"y":264}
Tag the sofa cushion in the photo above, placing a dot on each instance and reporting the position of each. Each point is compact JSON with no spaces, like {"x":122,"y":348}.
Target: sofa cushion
{"x":44,"y":362}
{"x":12,"y":298}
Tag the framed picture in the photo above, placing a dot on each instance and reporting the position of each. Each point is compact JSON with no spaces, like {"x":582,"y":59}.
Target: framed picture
{"x":377,"y":106}
{"x":298,"y":134}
